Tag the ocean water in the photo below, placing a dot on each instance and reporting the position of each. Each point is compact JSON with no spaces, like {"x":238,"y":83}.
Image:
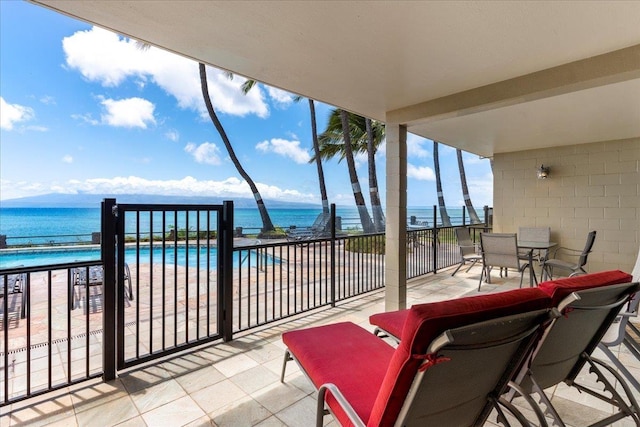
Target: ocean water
{"x":24,"y":226}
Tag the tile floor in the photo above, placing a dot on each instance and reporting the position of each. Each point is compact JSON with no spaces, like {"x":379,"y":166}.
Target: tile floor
{"x":237,"y":383}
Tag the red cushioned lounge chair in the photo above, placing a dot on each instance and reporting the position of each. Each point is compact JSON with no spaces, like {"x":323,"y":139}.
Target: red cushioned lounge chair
{"x":589,"y":305}
{"x":453,"y":363}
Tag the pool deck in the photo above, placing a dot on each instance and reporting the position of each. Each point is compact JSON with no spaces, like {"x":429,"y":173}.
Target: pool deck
{"x":237,"y":383}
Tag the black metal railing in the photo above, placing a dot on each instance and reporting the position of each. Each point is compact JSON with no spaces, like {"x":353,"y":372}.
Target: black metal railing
{"x":170,"y":303}
{"x":57,"y":342}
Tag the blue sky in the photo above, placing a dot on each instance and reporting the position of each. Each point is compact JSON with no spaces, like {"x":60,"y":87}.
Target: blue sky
{"x":85,"y":110}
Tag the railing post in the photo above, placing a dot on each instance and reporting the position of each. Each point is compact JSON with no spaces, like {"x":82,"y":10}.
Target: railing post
{"x":225,"y":252}
{"x":464,"y":215}
{"x":109,"y":324}
{"x":435,"y":239}
{"x":333,"y":255}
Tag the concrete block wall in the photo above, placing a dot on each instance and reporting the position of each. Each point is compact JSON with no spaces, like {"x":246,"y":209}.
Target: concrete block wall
{"x":593,"y":186}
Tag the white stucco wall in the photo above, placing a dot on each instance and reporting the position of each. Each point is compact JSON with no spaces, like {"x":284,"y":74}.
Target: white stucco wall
{"x":592,"y":186}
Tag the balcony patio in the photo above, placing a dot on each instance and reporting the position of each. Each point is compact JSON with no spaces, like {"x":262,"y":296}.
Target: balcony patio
{"x":237,"y":383}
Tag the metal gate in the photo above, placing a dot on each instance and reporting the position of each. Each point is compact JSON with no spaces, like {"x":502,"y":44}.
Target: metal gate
{"x":172,"y":270}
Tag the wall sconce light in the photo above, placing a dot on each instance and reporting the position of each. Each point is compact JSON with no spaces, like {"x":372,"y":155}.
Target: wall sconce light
{"x":543,"y":172}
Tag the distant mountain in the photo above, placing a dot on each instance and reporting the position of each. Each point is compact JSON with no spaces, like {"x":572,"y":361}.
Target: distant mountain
{"x":57,"y":200}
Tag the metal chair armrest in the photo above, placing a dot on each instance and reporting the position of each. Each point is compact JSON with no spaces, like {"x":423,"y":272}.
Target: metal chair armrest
{"x":342,"y":401}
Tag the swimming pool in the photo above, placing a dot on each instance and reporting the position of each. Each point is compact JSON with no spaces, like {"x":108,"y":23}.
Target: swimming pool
{"x":173,"y":256}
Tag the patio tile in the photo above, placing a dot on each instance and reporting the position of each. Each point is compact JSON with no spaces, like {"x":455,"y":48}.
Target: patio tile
{"x":235,"y":364}
{"x":199,"y":379}
{"x":217,"y":396}
{"x":272,"y":421}
{"x":89,"y":396}
{"x":243,"y":412}
{"x":109,"y":413}
{"x":254,"y":379}
{"x":157,"y":395}
{"x":58,"y":407}
{"x":177,"y":413}
{"x":278,"y":396}
{"x":300,"y":414}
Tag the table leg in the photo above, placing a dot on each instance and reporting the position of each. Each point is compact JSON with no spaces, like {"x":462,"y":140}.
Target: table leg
{"x":532,"y":274}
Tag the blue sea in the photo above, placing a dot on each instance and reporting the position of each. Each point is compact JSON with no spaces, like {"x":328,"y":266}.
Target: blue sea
{"x":26,"y":226}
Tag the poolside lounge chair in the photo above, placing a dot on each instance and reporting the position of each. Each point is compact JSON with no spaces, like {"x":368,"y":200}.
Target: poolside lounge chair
{"x":318,"y":229}
{"x":588,"y":304}
{"x":468,"y":250}
{"x":84,"y":277}
{"x":451,"y":367}
{"x":15,"y":284}
{"x":618,"y":333}
{"x":575,"y":267}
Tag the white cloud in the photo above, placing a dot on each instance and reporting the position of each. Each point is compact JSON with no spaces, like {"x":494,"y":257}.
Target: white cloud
{"x":285,"y":148}
{"x":130,"y":112}
{"x":172,"y":135}
{"x":67,"y":159}
{"x":87,"y":118}
{"x":416,"y":146}
{"x":281,"y":97}
{"x":10,"y":114}
{"x":48,"y":100}
{"x":206,"y":152}
{"x":421,"y":173}
{"x":187,"y":186}
{"x":104,"y":57}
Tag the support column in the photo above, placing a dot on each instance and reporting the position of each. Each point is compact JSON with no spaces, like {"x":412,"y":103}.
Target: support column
{"x":396,"y":230}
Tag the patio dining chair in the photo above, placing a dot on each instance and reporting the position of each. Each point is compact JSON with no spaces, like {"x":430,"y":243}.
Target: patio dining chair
{"x":534,"y":234}
{"x":12,"y":284}
{"x":500,"y":250}
{"x":573,"y":267}
{"x":469,"y":252}
{"x":85,"y":277}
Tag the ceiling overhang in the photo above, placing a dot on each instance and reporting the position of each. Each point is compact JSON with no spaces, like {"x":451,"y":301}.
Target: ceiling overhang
{"x":487,"y":77}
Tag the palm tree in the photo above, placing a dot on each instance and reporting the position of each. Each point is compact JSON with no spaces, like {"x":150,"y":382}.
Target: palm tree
{"x":446,"y":221}
{"x":366,"y":135}
{"x":465,"y":190}
{"x":267,"y":225}
{"x":374,"y":195}
{"x":250,"y":84}
{"x":365,"y":219}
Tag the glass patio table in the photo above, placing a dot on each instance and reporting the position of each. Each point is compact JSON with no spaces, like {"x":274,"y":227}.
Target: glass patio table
{"x":531,"y":246}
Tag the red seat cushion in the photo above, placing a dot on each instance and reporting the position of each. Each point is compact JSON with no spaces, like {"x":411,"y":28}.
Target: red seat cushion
{"x":391,"y":321}
{"x":426,"y":322}
{"x":559,"y":289}
{"x":346,"y":355}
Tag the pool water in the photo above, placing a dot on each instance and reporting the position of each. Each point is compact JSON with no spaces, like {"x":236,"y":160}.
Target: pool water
{"x":173,"y":256}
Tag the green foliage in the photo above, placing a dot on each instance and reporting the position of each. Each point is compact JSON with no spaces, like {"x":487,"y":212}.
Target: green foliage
{"x":366,"y":244}
{"x":277,"y":233}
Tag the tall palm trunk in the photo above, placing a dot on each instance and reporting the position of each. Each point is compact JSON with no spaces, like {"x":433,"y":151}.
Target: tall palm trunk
{"x":465,"y":190}
{"x":376,"y":206}
{"x":365,"y":219}
{"x":267,"y":225}
{"x":446,"y":221}
{"x":316,"y":150}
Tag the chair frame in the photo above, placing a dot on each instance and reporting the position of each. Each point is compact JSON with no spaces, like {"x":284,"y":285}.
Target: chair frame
{"x":95,"y":274}
{"x":575,"y":268}
{"x":500,"y":344}
{"x":15,"y":284}
{"x":564,"y":351}
{"x":507,"y":258}
{"x":468,"y":250}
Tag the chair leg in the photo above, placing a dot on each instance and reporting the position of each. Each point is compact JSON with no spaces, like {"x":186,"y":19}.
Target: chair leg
{"x":458,"y":268}
{"x":287,"y":358}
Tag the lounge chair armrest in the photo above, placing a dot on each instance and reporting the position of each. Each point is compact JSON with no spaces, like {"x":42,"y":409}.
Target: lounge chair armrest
{"x":342,"y":401}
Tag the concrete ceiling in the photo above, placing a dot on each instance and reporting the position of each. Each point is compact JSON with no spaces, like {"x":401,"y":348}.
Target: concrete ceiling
{"x":487,"y":77}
